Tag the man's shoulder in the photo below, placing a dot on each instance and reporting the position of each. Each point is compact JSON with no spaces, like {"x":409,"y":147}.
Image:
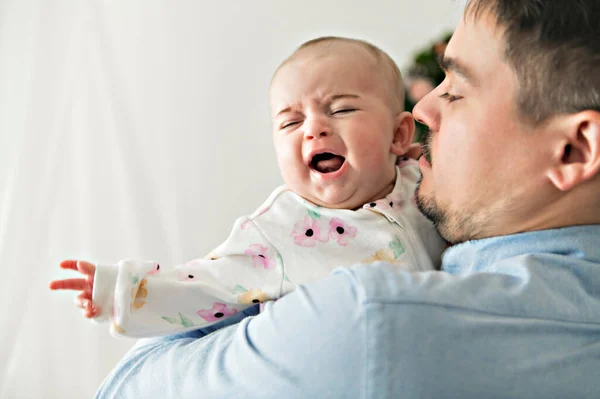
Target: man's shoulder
{"x":500,"y":294}
{"x":387,"y":283}
{"x":531,"y":286}
{"x":379,"y":329}
{"x":428,"y":333}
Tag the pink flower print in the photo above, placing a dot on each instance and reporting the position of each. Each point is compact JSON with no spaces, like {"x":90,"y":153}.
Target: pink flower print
{"x":261,"y":256}
{"x":341,"y":232}
{"x":186,"y":275}
{"x":155,"y":269}
{"x":218,"y":311}
{"x":396,"y":199}
{"x":384,"y":204}
{"x":308,"y":231}
{"x":244,"y":223}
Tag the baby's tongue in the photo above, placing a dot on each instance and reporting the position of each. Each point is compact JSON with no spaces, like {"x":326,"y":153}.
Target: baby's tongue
{"x":329,"y":165}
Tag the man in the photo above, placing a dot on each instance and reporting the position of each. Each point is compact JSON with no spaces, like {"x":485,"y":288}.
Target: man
{"x":511,"y":178}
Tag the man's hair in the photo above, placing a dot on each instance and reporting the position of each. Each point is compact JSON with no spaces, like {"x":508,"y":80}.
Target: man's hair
{"x":554,"y":48}
{"x":388,"y":66}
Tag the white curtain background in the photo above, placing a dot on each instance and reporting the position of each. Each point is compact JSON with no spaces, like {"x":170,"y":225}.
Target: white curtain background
{"x":141,"y":129}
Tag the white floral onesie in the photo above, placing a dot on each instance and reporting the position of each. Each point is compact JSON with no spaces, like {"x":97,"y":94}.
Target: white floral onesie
{"x":286,"y":242}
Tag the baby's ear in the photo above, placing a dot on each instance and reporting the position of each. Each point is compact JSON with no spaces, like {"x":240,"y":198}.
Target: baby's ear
{"x":403,"y":133}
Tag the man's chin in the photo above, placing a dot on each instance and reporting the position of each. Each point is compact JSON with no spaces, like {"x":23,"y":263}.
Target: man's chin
{"x":427,"y":208}
{"x":427,"y":205}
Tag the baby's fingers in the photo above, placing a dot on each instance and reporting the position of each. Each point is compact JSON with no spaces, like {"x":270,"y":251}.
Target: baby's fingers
{"x":79,"y":265}
{"x":79,"y":284}
{"x":92,"y":312}
{"x":84,"y":302}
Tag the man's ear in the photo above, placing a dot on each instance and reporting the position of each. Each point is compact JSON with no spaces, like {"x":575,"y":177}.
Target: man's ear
{"x":578,"y":151}
{"x":403,"y":133}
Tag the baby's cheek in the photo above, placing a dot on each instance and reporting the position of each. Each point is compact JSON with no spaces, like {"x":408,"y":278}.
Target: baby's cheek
{"x":372,"y":146}
{"x":377,"y":161}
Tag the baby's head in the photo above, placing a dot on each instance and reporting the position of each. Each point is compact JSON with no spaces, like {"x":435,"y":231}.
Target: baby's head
{"x":339,"y":124}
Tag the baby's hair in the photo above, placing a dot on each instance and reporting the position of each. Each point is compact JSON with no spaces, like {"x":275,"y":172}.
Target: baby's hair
{"x":389,"y":68}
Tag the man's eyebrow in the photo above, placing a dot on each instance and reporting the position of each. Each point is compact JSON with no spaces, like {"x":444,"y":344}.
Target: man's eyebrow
{"x":449,"y":64}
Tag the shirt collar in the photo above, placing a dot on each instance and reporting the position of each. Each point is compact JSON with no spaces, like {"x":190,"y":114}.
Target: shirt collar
{"x":479,"y":255}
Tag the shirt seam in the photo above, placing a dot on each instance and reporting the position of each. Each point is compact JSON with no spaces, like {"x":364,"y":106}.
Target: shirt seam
{"x":446,"y":306}
{"x":268,"y":203}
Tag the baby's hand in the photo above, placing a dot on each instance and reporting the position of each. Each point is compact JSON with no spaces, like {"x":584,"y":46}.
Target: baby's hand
{"x":85,"y":285}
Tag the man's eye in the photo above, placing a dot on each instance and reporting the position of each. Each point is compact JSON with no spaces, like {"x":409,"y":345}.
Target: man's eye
{"x":343,"y":111}
{"x":449,"y":97}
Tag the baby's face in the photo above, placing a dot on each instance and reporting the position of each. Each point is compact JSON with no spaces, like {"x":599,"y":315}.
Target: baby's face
{"x":333,"y":127}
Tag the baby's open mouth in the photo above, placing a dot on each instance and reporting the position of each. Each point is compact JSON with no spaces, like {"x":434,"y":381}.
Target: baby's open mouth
{"x":327,"y":162}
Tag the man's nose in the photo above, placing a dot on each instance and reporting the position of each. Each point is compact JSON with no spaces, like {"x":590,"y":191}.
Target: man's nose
{"x":315,"y":128}
{"x":427,"y":112}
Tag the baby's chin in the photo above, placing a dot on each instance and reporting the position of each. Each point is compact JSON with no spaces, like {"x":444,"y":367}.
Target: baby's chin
{"x":334,"y":199}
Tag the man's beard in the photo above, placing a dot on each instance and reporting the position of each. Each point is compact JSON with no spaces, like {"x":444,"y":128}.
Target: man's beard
{"x":428,"y":207}
{"x":426,"y":145}
{"x":454,"y":227}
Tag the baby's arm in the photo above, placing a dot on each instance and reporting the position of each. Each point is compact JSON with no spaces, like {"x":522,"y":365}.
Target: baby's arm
{"x":144,"y":299}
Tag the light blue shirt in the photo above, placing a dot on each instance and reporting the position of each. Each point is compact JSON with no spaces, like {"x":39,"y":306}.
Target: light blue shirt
{"x":512,"y":317}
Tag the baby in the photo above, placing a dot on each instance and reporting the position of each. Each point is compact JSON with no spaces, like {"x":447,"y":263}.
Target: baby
{"x":339,"y":129}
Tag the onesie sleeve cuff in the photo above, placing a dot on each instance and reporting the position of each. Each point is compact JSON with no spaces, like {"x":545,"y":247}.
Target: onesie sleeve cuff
{"x":105,"y":281}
